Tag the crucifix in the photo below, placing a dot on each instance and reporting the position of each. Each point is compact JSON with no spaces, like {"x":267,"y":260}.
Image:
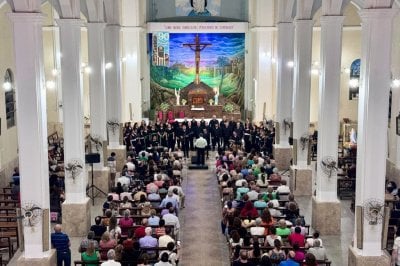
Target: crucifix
{"x":197,"y":47}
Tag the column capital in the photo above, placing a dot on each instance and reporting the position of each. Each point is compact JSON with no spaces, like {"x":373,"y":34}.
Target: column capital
{"x":37,"y":18}
{"x":96,"y":24}
{"x":331,"y":20}
{"x":378,"y":13}
{"x":69,"y":21}
{"x":303,"y":22}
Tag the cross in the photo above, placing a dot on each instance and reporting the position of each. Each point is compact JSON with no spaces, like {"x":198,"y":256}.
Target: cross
{"x":197,"y":47}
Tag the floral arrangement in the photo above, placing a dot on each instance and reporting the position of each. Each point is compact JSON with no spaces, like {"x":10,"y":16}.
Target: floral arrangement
{"x":184,"y":102}
{"x":164,"y":107}
{"x":228,"y":108}
{"x":113,"y":125}
{"x":74,"y":168}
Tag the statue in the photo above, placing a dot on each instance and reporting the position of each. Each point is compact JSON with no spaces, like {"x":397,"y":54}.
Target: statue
{"x":178,"y":96}
{"x":353,"y":136}
{"x":199,"y":8}
{"x":216,"y":90}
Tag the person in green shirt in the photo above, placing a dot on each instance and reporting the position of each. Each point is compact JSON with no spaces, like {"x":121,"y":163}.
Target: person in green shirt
{"x":90,"y":255}
{"x":282,"y":230}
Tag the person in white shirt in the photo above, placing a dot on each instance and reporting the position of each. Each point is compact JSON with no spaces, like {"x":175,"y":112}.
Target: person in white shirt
{"x":283,"y":188}
{"x":125,"y":181}
{"x":165,"y":239}
{"x":257,"y":230}
{"x":396,"y":249}
{"x":171,"y":219}
{"x":111,"y":261}
{"x":200,"y":145}
{"x":318,"y":251}
{"x":310,"y":241}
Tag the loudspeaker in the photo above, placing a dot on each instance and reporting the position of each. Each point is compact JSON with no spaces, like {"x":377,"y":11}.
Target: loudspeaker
{"x":385,"y":227}
{"x":277,"y":133}
{"x":92,"y":158}
{"x":290,"y":141}
{"x":194,"y":160}
{"x":294,"y":151}
{"x":359,"y":226}
{"x":45,"y":229}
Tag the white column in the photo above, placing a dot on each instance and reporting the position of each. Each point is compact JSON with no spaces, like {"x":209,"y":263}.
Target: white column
{"x":284,"y":79}
{"x":72,"y":90}
{"x":372,"y":117}
{"x":329,"y":92}
{"x":263,"y":43}
{"x":97,"y":83}
{"x":32,"y":122}
{"x":302,"y":84}
{"x":132,"y":98}
{"x":113,"y":81}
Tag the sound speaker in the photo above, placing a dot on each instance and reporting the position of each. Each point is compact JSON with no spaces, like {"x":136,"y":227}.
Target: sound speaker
{"x":20,"y":230}
{"x":359,"y":226}
{"x":45,"y":230}
{"x":290,"y":141}
{"x":294,"y":151}
{"x":194,"y":160}
{"x":92,"y":158}
{"x":277,"y":133}
{"x":385,"y":227}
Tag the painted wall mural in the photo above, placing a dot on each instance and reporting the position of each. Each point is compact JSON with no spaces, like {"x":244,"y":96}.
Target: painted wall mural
{"x":197,"y":63}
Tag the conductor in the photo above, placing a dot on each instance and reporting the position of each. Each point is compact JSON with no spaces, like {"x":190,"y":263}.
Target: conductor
{"x":200,"y":145}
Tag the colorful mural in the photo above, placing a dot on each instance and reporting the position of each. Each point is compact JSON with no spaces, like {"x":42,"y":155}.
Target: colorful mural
{"x":220,"y":66}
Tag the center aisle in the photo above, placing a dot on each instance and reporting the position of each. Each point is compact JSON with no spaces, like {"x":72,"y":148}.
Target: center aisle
{"x":202,"y":240}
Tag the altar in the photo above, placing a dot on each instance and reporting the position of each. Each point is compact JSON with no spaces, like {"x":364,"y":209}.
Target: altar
{"x":207,"y":111}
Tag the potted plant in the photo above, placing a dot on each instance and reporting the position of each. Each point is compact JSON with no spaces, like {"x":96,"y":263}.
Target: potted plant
{"x":228,"y":108}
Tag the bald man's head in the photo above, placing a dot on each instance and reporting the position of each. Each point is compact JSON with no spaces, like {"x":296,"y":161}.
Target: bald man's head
{"x":57,"y":228}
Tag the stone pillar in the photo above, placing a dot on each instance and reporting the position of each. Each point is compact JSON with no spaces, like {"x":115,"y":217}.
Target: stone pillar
{"x":114,"y":93}
{"x":323,"y":218}
{"x":377,"y":25}
{"x":32,"y":132}
{"x":282,"y":150}
{"x":302,"y":85}
{"x":132,"y":101}
{"x":113,"y":83}
{"x":98,"y":98}
{"x":263,"y":43}
{"x":74,"y":151}
{"x":97,"y":84}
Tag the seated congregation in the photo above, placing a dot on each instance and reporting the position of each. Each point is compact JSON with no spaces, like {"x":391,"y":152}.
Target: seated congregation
{"x":139,"y":224}
{"x":261,"y":218}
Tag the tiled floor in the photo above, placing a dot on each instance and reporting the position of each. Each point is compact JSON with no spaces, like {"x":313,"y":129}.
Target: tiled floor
{"x":202,"y":241}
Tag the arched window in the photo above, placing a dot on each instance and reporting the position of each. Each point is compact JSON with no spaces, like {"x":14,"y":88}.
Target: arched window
{"x":8,"y":87}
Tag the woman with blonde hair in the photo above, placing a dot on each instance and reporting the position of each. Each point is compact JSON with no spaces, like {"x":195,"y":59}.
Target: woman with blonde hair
{"x":90,"y":255}
{"x":106,"y":243}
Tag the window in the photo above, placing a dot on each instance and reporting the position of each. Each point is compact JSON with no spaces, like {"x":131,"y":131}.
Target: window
{"x":8,"y":87}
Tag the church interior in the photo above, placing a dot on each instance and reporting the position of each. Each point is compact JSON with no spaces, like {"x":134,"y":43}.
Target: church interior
{"x":106,"y":104}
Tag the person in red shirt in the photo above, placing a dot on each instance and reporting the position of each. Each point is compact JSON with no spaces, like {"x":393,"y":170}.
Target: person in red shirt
{"x":140,"y":231}
{"x":296,"y":237}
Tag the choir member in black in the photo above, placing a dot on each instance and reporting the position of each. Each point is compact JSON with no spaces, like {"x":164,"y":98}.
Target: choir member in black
{"x":185,"y":138}
{"x":216,"y":134}
{"x":207,"y":137}
{"x":256,"y":139}
{"x":239,"y":130}
{"x":178,"y":135}
{"x":202,"y":124}
{"x":162,"y":135}
{"x":235,"y":141}
{"x":146,"y":135}
{"x":127,"y":130}
{"x":170,"y":138}
{"x":226,"y":134}
{"x":134,"y":140}
{"x":213,"y":121}
{"x":247,"y":138}
{"x":191,"y":135}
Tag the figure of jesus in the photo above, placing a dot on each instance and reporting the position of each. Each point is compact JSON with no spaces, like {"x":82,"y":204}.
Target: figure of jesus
{"x":216,"y":90}
{"x":178,"y":96}
{"x":199,"y":8}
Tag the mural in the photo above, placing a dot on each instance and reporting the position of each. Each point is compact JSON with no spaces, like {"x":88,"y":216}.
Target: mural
{"x":198,"y":7}
{"x":204,"y":68}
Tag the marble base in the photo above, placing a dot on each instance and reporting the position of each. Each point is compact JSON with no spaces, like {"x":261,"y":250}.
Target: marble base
{"x":282,"y":156}
{"x":355,"y":259}
{"x":51,"y":260}
{"x":300,"y":181}
{"x":120,"y":152}
{"x":76,"y":218}
{"x":101,"y":179}
{"x":326,"y":217}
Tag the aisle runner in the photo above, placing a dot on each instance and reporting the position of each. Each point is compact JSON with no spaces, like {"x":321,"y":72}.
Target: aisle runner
{"x":202,"y":241}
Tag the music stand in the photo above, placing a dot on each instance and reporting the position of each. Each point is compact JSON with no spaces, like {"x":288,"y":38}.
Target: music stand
{"x":93,"y":191}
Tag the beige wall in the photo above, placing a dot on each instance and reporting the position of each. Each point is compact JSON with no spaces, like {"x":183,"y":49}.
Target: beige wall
{"x":8,"y":137}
